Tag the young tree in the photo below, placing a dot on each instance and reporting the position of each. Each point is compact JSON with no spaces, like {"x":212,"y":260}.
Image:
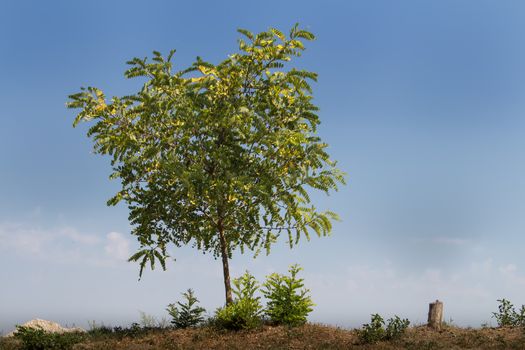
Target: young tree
{"x":219,"y":156}
{"x":186,"y":314}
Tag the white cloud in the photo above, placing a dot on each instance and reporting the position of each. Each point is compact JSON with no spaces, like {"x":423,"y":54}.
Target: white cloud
{"x":469,"y":291}
{"x":30,"y":242}
{"x":77,"y":237}
{"x":345,"y":294}
{"x":451,"y":241}
{"x":64,"y":245}
{"x":23,"y":240}
{"x":35,"y":240}
{"x":508,"y":269}
{"x":117,"y":246}
{"x":511,"y":276}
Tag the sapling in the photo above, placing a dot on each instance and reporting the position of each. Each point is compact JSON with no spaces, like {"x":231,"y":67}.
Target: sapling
{"x":186,"y":314}
{"x":288,"y":300}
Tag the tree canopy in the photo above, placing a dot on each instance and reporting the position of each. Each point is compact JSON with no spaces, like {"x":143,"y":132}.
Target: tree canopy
{"x":222,"y":156}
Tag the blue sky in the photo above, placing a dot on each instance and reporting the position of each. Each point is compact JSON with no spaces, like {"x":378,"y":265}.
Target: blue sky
{"x":421,"y":102}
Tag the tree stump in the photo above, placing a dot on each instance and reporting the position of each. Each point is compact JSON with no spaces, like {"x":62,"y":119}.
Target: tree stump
{"x":435,"y":315}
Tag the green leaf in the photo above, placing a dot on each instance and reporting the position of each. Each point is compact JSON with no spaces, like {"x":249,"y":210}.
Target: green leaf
{"x":246,"y":33}
{"x":216,"y":150}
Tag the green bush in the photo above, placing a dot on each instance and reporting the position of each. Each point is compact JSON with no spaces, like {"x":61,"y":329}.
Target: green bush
{"x":38,"y":339}
{"x":288,"y":302}
{"x":186,"y":314}
{"x":246,"y":309}
{"x":135,"y":330}
{"x":396,"y":327}
{"x":519,"y":317}
{"x":98,"y":330}
{"x":507,"y":315}
{"x":375,"y":330}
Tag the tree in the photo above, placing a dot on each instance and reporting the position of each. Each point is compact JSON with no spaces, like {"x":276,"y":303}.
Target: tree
{"x":186,"y":314}
{"x":288,"y":300}
{"x":219,"y":156}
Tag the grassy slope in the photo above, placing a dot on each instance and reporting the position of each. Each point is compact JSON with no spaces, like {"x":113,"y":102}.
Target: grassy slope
{"x":309,"y":336}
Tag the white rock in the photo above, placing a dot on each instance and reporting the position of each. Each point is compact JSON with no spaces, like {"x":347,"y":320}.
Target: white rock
{"x":48,"y":326}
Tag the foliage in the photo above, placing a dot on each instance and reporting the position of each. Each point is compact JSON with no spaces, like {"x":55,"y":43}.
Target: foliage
{"x":39,"y":339}
{"x":504,"y":316}
{"x":147,"y":321}
{"x":375,"y":330}
{"x":507,"y":316}
{"x":288,"y":303}
{"x":396,"y":327}
{"x":236,"y":316}
{"x":246,"y":310}
{"x":519,"y":317}
{"x":98,"y":330}
{"x":219,"y":156}
{"x":135,"y":330}
{"x":188,"y":315}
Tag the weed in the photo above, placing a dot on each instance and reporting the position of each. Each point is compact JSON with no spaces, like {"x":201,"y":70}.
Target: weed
{"x":375,"y":330}
{"x":519,"y":317}
{"x":449,"y":323}
{"x":504,"y":316}
{"x":507,"y":315}
{"x":99,"y":330}
{"x":396,"y":327}
{"x":135,"y":330}
{"x":147,"y":321}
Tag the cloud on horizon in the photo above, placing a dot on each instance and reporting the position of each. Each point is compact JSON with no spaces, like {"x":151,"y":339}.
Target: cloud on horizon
{"x":117,"y":246}
{"x":63,"y":244}
{"x":346,"y":294}
{"x":470,"y":291}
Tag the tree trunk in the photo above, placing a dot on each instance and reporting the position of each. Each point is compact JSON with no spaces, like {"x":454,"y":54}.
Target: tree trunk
{"x":225,"y":265}
{"x":435,"y":315}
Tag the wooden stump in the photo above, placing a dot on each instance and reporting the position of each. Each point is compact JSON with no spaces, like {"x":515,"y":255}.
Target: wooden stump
{"x":435,"y":315}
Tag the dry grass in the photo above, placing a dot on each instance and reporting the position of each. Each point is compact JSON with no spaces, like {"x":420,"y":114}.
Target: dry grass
{"x":310,"y":336}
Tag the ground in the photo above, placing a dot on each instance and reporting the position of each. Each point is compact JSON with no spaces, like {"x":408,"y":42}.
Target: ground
{"x":309,"y":336}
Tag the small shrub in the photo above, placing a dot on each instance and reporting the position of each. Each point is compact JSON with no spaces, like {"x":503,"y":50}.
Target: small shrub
{"x":504,"y":316}
{"x":288,"y":302}
{"x":238,"y":315}
{"x":450,"y":323}
{"x":375,"y":330}
{"x":38,"y":339}
{"x":186,"y":314}
{"x":97,"y":330}
{"x":246,"y":309}
{"x":396,"y":327}
{"x":507,"y":315}
{"x":519,"y":317}
{"x":163,"y":323}
{"x":132,"y":331}
{"x":147,"y":321}
{"x":102,"y":331}
{"x":135,"y":330}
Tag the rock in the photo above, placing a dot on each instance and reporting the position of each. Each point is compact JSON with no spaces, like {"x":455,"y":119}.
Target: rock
{"x":48,"y":326}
